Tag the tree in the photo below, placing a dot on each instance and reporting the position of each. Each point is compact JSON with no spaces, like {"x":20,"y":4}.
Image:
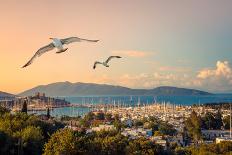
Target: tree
{"x":100,"y":116}
{"x":116,"y":117}
{"x":24,"y":108}
{"x":143,"y":146}
{"x":89,"y":116}
{"x":20,"y":132}
{"x":5,"y":143}
{"x":112,"y":145}
{"x":226,"y":122}
{"x":48,"y":113}
{"x":108,"y":116}
{"x":218,"y":120}
{"x":118,"y":125}
{"x":138,"y":123}
{"x":167,"y":129}
{"x":10,"y":123}
{"x":85,"y":123}
{"x":212,"y":121}
{"x":31,"y":140}
{"x":182,"y":151}
{"x":61,"y":142}
{"x":210,"y":149}
{"x":193,"y":126}
{"x":158,"y":133}
{"x":208,"y":121}
{"x":3,"y":110}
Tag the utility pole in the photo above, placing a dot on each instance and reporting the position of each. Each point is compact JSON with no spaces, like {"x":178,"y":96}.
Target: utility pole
{"x":230,"y":120}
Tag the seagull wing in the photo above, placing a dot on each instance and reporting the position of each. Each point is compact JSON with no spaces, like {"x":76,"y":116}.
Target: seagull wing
{"x":95,"y":64}
{"x":75,"y":39}
{"x":41,"y":51}
{"x":111,"y":57}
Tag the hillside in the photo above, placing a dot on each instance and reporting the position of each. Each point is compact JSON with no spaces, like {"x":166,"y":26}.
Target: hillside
{"x":88,"y":89}
{"x":4,"y":95}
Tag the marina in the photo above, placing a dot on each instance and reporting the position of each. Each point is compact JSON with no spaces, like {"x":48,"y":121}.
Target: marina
{"x":78,"y":106}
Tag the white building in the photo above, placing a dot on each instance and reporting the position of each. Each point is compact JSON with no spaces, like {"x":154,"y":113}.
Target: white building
{"x":221,"y":139}
{"x":104,"y":127}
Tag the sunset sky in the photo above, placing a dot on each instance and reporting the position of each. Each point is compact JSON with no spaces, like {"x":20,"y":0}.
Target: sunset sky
{"x":176,"y":43}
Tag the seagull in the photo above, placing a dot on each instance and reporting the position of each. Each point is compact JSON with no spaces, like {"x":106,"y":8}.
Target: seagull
{"x":106,"y":62}
{"x":56,"y":43}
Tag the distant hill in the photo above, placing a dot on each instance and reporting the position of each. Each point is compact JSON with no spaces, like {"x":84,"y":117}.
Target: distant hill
{"x":4,"y":95}
{"x":88,"y":89}
{"x":224,"y":92}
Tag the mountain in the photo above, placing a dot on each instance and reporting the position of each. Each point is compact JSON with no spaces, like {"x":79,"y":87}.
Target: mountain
{"x":88,"y":89}
{"x":4,"y":95}
{"x":167,"y":90}
{"x":227,"y":92}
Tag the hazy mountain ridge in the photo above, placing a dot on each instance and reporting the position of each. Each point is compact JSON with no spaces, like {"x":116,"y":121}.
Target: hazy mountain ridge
{"x":85,"y":89}
{"x":6,"y":95}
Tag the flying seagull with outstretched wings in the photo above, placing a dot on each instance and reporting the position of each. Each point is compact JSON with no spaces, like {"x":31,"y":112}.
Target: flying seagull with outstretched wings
{"x":105,"y":63}
{"x":58,"y":44}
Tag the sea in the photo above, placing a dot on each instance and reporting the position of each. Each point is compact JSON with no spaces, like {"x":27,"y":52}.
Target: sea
{"x":132,"y":101}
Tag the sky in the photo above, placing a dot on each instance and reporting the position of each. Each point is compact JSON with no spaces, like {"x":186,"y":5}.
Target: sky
{"x":162,"y":42}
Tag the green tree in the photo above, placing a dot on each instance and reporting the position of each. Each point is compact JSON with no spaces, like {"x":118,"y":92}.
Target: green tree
{"x":112,"y":145}
{"x":212,"y":121}
{"x":61,"y":142}
{"x":193,"y":126}
{"x":89,"y":116}
{"x":116,"y":117}
{"x":100,"y":116}
{"x":3,"y":110}
{"x":138,"y":123}
{"x":5,"y":143}
{"x":24,"y":108}
{"x":118,"y":125}
{"x":218,"y":120}
{"x":167,"y":129}
{"x":85,"y":123}
{"x":208,"y":121}
{"x":158,"y":133}
{"x":143,"y":146}
{"x":226,"y":122}
{"x":30,"y":140}
{"x":108,"y":116}
{"x":48,"y":113}
{"x":212,"y":149}
{"x":182,"y":151}
{"x":25,"y":133}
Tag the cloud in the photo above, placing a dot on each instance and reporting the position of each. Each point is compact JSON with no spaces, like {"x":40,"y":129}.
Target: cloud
{"x":146,"y":80}
{"x":133,"y":53}
{"x":222,"y":70}
{"x":219,"y":78}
